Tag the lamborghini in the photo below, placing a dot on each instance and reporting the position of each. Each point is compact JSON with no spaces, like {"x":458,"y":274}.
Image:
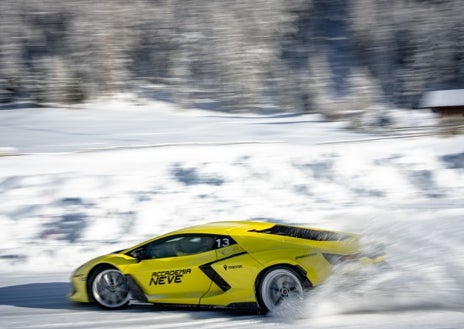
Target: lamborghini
{"x":246,"y":264}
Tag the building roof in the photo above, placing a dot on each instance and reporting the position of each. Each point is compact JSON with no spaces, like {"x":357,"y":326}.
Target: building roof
{"x":442,"y":98}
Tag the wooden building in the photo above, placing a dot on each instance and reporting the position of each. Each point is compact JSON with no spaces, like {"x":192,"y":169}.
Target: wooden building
{"x":447,"y":103}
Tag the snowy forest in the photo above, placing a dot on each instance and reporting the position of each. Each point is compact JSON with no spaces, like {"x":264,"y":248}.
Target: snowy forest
{"x":289,"y":55}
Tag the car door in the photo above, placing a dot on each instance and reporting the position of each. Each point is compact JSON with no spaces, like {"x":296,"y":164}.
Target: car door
{"x":169,"y":271}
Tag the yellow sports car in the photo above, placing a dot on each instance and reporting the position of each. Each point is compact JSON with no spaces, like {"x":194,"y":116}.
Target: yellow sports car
{"x":222,"y":264}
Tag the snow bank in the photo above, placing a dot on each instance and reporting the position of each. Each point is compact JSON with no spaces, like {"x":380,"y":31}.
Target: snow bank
{"x":59,"y":210}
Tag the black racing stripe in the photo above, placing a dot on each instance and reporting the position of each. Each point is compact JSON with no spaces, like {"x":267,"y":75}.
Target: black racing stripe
{"x":214,"y":276}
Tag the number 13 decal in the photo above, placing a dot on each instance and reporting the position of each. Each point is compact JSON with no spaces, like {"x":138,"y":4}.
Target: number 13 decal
{"x":222,"y":242}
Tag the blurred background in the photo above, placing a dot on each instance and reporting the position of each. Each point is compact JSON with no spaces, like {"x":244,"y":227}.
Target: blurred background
{"x":139,"y":159}
{"x":264,"y":55}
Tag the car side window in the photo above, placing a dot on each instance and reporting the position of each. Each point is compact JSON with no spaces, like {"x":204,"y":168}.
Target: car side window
{"x":180,"y":245}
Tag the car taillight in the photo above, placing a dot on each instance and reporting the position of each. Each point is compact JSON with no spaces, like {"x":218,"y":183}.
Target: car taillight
{"x":337,"y":259}
{"x":371,"y":254}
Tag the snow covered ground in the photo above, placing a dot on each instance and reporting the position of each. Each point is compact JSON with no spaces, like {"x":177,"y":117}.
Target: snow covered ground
{"x":80,"y":183}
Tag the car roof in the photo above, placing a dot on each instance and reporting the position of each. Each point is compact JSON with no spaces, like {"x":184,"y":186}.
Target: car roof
{"x":225,"y":227}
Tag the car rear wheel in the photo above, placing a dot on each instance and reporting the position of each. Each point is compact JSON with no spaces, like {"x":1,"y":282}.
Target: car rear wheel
{"x":110,"y":290}
{"x":279,"y":288}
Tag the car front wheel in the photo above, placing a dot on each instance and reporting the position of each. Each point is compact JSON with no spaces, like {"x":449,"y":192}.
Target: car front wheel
{"x":110,"y":290}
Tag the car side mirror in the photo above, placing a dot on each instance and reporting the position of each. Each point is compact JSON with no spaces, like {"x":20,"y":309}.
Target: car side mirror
{"x":138,"y":254}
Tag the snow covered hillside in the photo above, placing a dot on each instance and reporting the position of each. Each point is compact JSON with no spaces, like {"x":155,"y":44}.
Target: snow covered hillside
{"x":61,"y":209}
